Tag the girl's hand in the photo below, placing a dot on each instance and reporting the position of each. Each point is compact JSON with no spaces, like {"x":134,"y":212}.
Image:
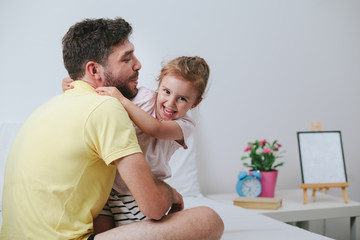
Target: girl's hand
{"x":110,"y":91}
{"x":66,"y":84}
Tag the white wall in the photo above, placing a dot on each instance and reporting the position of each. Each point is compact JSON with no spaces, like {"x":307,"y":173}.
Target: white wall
{"x":276,"y":65}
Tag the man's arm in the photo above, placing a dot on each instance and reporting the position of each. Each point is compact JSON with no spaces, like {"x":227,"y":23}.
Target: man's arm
{"x":153,"y":197}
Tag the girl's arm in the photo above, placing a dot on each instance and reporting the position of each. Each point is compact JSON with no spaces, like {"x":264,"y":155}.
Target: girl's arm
{"x":168,"y":130}
{"x":66,"y":84}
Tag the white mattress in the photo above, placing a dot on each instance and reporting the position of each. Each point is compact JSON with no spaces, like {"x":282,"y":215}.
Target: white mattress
{"x":242,"y":223}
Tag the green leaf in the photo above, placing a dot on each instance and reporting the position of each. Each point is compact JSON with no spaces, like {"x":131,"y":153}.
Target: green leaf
{"x":279,"y":165}
{"x":248,"y":165}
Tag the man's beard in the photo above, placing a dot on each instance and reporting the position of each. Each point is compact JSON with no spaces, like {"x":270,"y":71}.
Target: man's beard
{"x":121,"y":85}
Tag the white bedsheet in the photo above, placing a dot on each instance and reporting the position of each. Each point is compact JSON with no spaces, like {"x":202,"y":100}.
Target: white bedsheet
{"x":242,"y":223}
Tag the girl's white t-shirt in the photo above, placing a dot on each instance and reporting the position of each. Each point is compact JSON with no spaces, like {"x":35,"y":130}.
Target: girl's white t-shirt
{"x":156,"y":151}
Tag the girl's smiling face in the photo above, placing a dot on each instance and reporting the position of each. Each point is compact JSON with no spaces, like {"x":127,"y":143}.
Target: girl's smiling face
{"x":175,"y":97}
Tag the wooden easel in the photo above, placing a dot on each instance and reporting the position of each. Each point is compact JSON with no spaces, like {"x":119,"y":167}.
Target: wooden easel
{"x":314,"y":127}
{"x":320,"y":186}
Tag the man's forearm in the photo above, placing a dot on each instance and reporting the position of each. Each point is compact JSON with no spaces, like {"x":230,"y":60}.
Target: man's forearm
{"x":177,"y":203}
{"x":154,"y":197}
{"x":170,"y":190}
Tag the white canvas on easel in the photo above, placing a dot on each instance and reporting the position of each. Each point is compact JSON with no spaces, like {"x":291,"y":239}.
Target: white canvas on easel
{"x":322,"y":157}
{"x":322,"y":161}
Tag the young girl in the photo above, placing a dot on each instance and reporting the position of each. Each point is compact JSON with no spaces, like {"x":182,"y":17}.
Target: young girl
{"x":161,"y":124}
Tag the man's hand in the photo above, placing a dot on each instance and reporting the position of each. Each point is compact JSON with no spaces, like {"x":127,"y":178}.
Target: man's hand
{"x":178,"y":202}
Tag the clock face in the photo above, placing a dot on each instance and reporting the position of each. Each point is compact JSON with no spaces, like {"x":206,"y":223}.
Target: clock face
{"x":251,"y":187}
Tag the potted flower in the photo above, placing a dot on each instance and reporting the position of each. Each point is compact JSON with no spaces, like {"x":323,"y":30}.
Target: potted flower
{"x":262,"y":155}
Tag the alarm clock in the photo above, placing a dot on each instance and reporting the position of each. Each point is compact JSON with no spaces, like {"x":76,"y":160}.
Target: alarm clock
{"x":249,"y":185}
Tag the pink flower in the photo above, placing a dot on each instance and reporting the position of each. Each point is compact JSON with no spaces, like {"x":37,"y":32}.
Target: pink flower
{"x":278,"y":144}
{"x":248,"y":148}
{"x":267,"y":150}
{"x":262,"y":142}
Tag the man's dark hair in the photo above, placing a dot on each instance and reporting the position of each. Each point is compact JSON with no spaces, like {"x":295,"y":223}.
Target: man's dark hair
{"x":92,"y":40}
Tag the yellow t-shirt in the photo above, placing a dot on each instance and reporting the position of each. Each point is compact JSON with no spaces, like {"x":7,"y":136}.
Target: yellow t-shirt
{"x":59,"y":172}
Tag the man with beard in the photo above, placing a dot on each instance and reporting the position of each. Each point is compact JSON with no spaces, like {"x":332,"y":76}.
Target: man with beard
{"x":63,"y":161}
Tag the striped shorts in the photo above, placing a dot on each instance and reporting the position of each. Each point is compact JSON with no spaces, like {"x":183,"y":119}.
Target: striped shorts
{"x":122,"y":208}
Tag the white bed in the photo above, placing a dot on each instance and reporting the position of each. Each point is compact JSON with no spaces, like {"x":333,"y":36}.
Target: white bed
{"x":239,"y":223}
{"x":242,"y":223}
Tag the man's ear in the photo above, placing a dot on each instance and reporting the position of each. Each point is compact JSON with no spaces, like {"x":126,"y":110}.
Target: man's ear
{"x":197,"y":102}
{"x":95,"y":71}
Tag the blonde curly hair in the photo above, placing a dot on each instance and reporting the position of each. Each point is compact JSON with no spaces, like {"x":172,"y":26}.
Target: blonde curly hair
{"x":193,"y":69}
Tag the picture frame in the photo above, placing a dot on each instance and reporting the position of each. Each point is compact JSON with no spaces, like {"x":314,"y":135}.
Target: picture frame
{"x":322,"y":157}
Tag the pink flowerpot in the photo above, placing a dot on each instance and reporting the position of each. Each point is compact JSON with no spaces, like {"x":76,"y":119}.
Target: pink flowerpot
{"x":268,"y":183}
